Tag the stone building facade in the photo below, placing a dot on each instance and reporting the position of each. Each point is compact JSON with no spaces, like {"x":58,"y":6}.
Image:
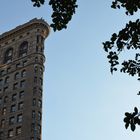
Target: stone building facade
{"x":21,"y":80}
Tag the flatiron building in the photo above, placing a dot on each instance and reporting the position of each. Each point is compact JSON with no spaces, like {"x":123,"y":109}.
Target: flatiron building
{"x":21,"y":80}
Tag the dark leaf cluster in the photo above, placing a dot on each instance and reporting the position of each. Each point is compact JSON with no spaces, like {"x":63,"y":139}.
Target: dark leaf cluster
{"x":127,"y":38}
{"x":132,"y":67}
{"x":131,"y":119}
{"x":131,"y":6}
{"x":38,"y":3}
{"x":63,"y":11}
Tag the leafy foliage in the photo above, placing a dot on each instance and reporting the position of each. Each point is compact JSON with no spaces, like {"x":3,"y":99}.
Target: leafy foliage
{"x":127,"y":39}
{"x":38,"y":3}
{"x":131,"y":6}
{"x":131,"y":119}
{"x":63,"y":11}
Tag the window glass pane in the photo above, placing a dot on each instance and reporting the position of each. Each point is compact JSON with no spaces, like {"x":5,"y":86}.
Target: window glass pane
{"x":13,"y":108}
{"x":22,"y":83}
{"x":8,"y":55}
{"x":4,"y":111}
{"x":5,"y":89}
{"x":18,"y":130}
{"x":23,"y":49}
{"x":2,"y":123}
{"x":19,"y":118}
{"x":39,"y":103}
{"x":14,"y":96}
{"x":7,"y":80}
{"x":5,"y":99}
{"x":10,"y":133}
{"x":17,"y":75}
{"x":15,"y":86}
{"x":34,"y":102}
{"x":20,"y":106}
{"x":23,"y":73}
{"x":11,"y":120}
{"x":21,"y":94}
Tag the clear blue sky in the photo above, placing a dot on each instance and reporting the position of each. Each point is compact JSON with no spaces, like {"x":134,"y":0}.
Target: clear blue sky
{"x":82,"y":100}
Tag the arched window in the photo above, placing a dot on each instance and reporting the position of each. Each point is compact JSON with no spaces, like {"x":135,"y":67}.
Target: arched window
{"x":23,"y":49}
{"x":8,"y":55}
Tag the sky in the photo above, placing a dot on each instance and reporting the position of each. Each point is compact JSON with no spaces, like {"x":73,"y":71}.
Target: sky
{"x":81,"y":99}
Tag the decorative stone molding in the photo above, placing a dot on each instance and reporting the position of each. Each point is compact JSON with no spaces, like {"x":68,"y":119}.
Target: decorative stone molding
{"x":26,"y":27}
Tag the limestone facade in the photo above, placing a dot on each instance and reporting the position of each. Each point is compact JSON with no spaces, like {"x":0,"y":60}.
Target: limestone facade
{"x":21,"y":80}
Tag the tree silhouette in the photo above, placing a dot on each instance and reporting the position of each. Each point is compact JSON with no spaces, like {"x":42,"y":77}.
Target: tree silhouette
{"x":127,"y":38}
{"x":63,"y":11}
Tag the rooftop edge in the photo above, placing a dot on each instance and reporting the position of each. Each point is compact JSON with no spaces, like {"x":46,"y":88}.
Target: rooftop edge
{"x":32,"y":21}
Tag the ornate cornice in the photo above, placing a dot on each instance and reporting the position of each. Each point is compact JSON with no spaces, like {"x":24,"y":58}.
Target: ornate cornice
{"x":25,"y":27}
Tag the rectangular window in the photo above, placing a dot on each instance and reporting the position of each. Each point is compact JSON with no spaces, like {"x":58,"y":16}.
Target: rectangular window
{"x":32,"y":127}
{"x":33,"y":114}
{"x":41,"y":81}
{"x":18,"y":65}
{"x":5,"y":89}
{"x":4,"y":111}
{"x":10,"y":133}
{"x":41,"y":71}
{"x":42,"y":39}
{"x":17,"y":75}
{"x":5,"y":99}
{"x":22,"y":84}
{"x":15,"y":86}
{"x":11,"y":120}
{"x":39,"y":129}
{"x":21,"y":94}
{"x":8,"y":69}
{"x":18,"y":130}
{"x":35,"y":69}
{"x":36,"y":59}
{"x":20,"y":106}
{"x":39,"y":116}
{"x":7,"y":79}
{"x":37,"y":39}
{"x":13,"y":108}
{"x":19,"y":118}
{"x":40,"y":91}
{"x":35,"y":79}
{"x":34,"y":90}
{"x":24,"y":62}
{"x":23,"y":73}
{"x":41,"y":60}
{"x":34,"y":102}
{"x":39,"y":103}
{"x":14,"y":96}
{"x":2,"y":123}
{"x":2,"y":72}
